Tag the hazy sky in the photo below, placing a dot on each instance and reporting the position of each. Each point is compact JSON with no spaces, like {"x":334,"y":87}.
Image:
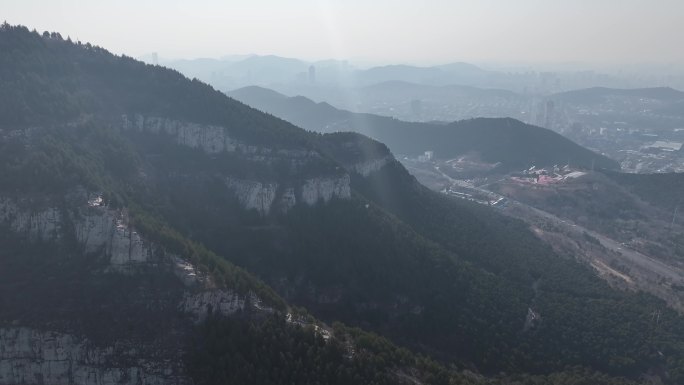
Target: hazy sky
{"x":428,"y":31}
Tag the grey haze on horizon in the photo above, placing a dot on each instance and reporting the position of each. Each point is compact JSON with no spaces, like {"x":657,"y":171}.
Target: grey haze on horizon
{"x":600,"y":33}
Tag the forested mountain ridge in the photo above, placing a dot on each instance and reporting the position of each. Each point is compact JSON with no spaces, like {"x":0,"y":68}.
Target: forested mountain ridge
{"x":142,"y":192}
{"x":664,"y":190}
{"x":511,"y":143}
{"x":89,"y":237}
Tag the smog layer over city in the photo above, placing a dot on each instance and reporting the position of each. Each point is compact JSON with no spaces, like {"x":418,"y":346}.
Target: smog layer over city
{"x":341,"y":192}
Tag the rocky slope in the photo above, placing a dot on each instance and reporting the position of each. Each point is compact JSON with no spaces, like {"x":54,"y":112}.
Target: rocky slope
{"x":36,"y":354}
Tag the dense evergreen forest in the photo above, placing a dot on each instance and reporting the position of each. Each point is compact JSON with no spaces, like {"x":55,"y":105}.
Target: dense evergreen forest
{"x":444,"y":285}
{"x":661,"y":190}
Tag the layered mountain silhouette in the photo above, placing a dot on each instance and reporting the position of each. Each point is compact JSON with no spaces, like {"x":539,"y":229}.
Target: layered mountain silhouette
{"x":507,"y":141}
{"x":154,"y":231}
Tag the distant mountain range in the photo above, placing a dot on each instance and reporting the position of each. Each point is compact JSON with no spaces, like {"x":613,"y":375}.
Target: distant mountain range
{"x":270,"y":71}
{"x":506,"y":141}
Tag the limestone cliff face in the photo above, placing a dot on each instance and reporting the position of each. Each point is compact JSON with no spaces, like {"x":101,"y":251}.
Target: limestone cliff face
{"x":43,"y":224}
{"x":288,"y":200}
{"x":32,"y":355}
{"x":253,"y":194}
{"x":370,"y":166}
{"x":222,"y":301}
{"x":97,"y":229}
{"x":29,"y":356}
{"x":324,"y":189}
{"x":105,"y":232}
{"x":100,"y":229}
{"x":263,"y":196}
{"x":211,"y":139}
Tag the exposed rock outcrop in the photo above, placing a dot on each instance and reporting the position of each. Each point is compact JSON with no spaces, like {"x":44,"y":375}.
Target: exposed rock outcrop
{"x":324,"y":189}
{"x":367,"y":167}
{"x":209,"y":138}
{"x":288,"y":200}
{"x":43,"y":224}
{"x":253,"y":194}
{"x":32,"y":356}
{"x":29,"y":356}
{"x":225,"y":302}
{"x":102,"y":229}
{"x":262,"y":196}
